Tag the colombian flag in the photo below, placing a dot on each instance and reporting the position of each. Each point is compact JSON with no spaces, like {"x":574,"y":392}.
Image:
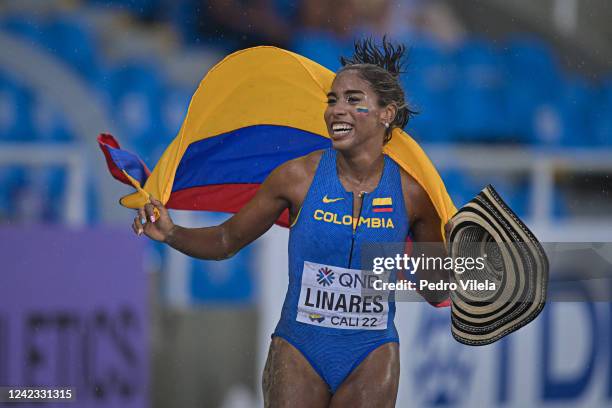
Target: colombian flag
{"x":382,"y":204}
{"x":253,"y":111}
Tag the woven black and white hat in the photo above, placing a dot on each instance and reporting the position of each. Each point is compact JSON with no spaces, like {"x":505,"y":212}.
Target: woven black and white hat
{"x":515,"y":273}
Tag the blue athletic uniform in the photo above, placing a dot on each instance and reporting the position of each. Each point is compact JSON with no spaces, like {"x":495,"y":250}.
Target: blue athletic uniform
{"x":326,"y":315}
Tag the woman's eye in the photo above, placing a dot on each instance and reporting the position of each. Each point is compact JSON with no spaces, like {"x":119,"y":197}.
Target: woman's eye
{"x":352,"y":99}
{"x":331,"y":101}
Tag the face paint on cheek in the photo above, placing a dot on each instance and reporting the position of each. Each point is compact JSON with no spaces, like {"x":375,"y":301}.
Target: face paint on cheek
{"x":363,"y":106}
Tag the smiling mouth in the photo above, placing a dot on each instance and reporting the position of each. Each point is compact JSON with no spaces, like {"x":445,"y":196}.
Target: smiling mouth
{"x":341,"y":129}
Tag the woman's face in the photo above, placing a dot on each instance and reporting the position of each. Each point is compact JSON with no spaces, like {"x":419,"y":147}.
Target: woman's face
{"x":353,"y":116}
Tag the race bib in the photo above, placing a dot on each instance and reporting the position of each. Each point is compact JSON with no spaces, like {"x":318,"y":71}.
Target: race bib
{"x":341,"y":299}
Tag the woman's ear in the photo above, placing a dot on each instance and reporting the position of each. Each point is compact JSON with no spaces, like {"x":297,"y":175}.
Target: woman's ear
{"x":388,"y":114}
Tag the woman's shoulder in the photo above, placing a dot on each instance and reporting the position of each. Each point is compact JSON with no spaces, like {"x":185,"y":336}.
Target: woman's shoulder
{"x":303,"y":166}
{"x":293,"y":178}
{"x":414,"y":193}
{"x":296,"y":174}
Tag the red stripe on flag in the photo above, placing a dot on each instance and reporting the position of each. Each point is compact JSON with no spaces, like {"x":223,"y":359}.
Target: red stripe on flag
{"x":382,"y":210}
{"x":228,"y":198}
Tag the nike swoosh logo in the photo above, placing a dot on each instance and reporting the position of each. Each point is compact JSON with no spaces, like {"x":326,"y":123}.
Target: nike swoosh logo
{"x":331,"y":200}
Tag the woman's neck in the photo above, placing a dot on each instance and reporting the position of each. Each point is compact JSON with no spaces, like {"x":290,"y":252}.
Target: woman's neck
{"x":360,"y":169}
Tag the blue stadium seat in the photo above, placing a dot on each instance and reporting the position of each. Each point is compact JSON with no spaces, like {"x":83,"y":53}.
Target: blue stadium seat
{"x":521,"y":195}
{"x":48,"y":123}
{"x":15,"y":111}
{"x":174,"y":109}
{"x":50,"y":183}
{"x":92,"y":198}
{"x":221,"y":282}
{"x":143,"y":8}
{"x":460,"y":188}
{"x":601,"y":115}
{"x":69,"y":40}
{"x":185,"y":16}
{"x":12,"y":178}
{"x":287,"y":9}
{"x":322,"y":47}
{"x":533,"y":79}
{"x":560,"y":204}
{"x":479,"y":98}
{"x":25,"y":27}
{"x":577,"y":98}
{"x":135,"y":92}
{"x":514,"y":193}
{"x":428,"y":82}
{"x":565,"y":120}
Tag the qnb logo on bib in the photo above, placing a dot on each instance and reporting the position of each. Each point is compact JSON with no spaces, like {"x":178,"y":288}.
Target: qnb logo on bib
{"x":325,"y":276}
{"x":340,"y":298}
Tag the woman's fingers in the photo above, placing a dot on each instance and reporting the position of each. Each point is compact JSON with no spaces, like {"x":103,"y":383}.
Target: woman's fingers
{"x":159,"y":208}
{"x":142,"y":216}
{"x":150,"y":212}
{"x":137,"y":226}
{"x":156,"y":203}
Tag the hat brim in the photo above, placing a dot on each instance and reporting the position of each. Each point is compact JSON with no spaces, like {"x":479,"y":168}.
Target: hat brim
{"x":515,"y":263}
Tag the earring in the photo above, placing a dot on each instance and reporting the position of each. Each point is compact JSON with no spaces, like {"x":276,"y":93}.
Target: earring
{"x":387,"y":125}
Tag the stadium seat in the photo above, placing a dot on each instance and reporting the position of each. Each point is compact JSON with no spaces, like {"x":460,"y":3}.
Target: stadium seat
{"x":460,"y":188}
{"x":25,"y":27}
{"x":50,"y":183}
{"x":478,"y":93}
{"x":221,"y":282}
{"x":514,"y":192}
{"x":12,"y":178}
{"x":533,"y":79}
{"x":560,"y":204}
{"x":428,"y":82}
{"x":143,"y":8}
{"x":48,"y":123}
{"x":322,"y":47}
{"x":577,"y":97}
{"x":601,"y":115}
{"x":565,"y":120}
{"x":15,"y":111}
{"x":135,"y":92}
{"x":174,"y":109}
{"x":69,"y":40}
{"x":185,"y":17}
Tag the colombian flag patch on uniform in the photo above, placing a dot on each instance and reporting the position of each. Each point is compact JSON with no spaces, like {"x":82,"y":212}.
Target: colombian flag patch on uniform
{"x":382,"y":205}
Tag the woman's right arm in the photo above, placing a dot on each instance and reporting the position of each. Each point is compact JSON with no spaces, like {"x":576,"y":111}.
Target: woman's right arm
{"x":222,"y":241}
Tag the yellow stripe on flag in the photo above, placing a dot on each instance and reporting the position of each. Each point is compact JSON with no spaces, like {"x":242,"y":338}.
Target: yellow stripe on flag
{"x":382,"y":201}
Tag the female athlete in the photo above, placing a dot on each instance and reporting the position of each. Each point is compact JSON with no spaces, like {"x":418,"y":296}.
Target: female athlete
{"x":334,"y":346}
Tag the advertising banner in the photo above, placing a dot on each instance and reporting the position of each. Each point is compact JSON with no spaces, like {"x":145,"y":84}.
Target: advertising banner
{"x":73,"y":317}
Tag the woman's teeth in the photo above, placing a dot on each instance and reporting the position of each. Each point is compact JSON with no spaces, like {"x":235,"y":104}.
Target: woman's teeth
{"x":341,"y":129}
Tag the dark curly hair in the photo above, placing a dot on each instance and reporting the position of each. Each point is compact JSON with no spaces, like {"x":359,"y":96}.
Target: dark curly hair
{"x":381,"y":66}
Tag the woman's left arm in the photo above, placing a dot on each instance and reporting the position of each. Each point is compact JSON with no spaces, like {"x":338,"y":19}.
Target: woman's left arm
{"x":427,"y":235}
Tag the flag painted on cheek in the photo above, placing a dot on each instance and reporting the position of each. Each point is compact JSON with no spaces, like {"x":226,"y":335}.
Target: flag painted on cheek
{"x":253,"y":111}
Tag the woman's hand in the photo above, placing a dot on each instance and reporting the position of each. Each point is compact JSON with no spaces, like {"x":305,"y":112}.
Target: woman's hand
{"x":154,"y":227}
{"x":448,"y":228}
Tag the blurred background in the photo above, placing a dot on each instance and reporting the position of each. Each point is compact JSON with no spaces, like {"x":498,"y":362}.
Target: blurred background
{"x":517,"y":94}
